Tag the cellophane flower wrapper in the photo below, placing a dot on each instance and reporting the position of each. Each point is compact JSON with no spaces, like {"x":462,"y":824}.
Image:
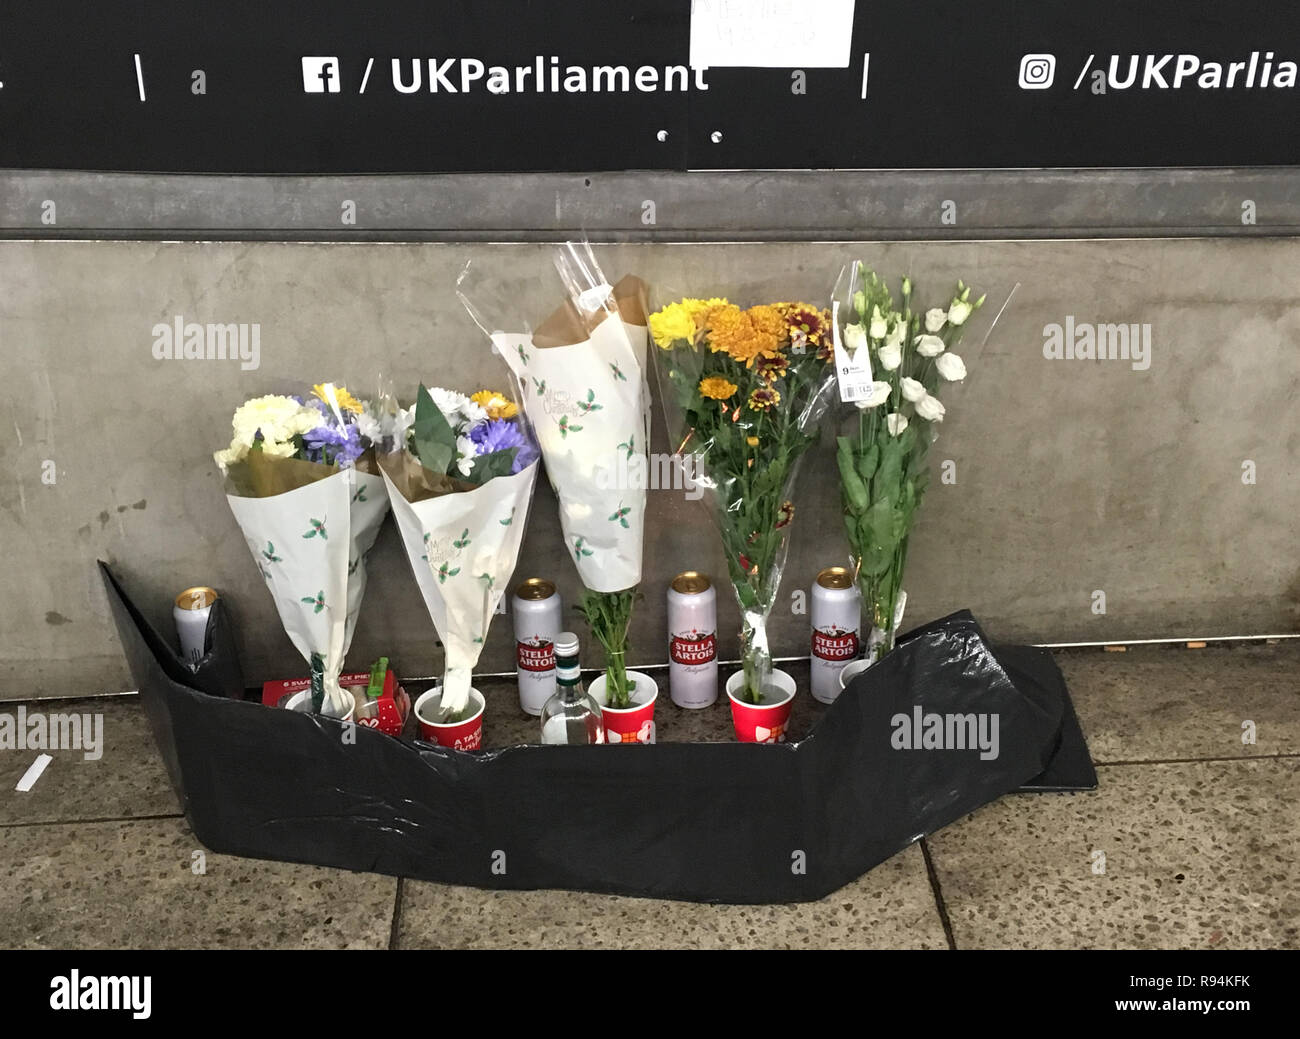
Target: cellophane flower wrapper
{"x":581,"y":377}
{"x":743,"y":392}
{"x":462,"y":533}
{"x":309,"y":526}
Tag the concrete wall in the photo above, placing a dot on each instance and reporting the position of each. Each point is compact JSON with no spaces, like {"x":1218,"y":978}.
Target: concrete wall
{"x":1071,"y":476}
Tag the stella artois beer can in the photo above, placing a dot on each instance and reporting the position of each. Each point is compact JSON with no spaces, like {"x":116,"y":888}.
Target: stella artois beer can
{"x":836,"y":624}
{"x":190,"y":612}
{"x":536,"y":609}
{"x":692,"y":640}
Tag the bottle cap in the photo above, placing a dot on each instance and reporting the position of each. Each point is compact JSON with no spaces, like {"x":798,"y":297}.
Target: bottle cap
{"x":566,"y":644}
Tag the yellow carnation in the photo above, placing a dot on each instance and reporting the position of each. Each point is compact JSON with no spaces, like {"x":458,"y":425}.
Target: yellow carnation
{"x":495,"y":404}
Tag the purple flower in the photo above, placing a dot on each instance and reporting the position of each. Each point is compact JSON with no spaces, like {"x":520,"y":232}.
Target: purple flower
{"x":329,"y":444}
{"x":500,"y":435}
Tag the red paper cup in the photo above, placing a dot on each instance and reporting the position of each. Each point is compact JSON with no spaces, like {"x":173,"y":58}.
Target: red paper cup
{"x":635,"y":724}
{"x":466,"y":735}
{"x":764,"y":722}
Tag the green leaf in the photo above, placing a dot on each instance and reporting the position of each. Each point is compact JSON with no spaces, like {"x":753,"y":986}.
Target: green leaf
{"x":869,"y":461}
{"x":435,"y":443}
{"x":489,"y":466}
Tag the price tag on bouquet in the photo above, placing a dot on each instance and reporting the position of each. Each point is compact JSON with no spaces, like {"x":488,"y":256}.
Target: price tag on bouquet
{"x":852,"y":369}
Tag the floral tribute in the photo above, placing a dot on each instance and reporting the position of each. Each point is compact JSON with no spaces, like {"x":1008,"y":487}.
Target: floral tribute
{"x":302,"y":482}
{"x":748,"y":388}
{"x":460,"y":472}
{"x":883,"y":464}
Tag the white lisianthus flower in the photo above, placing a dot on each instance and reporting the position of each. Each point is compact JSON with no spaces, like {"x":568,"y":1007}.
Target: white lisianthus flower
{"x":929,"y":346}
{"x":951,"y":367}
{"x":930,"y":409}
{"x":890,"y":357}
{"x":897,"y":333}
{"x":935,"y":319}
{"x":855,"y":337}
{"x":879,"y":326}
{"x":959,"y":311}
{"x":912,"y":390}
{"x":880,"y":392}
{"x":896,"y":423}
{"x":465,"y":449}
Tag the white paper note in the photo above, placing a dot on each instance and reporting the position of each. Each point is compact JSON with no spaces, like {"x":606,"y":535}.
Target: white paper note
{"x":786,"y":34}
{"x":33,"y":773}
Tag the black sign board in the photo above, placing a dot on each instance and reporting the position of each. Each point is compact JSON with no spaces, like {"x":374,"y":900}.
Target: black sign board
{"x":336,"y":86}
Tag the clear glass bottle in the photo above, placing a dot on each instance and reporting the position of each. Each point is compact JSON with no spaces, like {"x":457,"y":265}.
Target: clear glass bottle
{"x":571,"y":715}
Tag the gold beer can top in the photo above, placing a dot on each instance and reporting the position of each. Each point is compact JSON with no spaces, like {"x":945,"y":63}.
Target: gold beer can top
{"x":835,"y":577}
{"x":196,"y":598}
{"x":535,"y":589}
{"x":691,"y":582}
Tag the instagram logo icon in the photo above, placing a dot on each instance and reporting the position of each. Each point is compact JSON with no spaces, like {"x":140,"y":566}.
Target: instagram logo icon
{"x":1037,"y":71}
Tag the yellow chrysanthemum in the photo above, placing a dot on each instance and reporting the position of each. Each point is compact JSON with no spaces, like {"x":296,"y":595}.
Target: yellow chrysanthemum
{"x":700,"y":309}
{"x":715,"y":387}
{"x":673,"y":324}
{"x":746,"y":335}
{"x":496,"y":405}
{"x":768,"y":320}
{"x":346,"y":401}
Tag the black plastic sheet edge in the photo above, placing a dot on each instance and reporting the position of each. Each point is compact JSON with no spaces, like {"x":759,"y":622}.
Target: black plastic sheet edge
{"x":707,"y":822}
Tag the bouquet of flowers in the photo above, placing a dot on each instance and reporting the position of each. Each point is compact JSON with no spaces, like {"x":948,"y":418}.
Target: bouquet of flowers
{"x":582,"y":383}
{"x":749,"y":388}
{"x":301,"y":480}
{"x":907,"y":355}
{"x":460,"y":472}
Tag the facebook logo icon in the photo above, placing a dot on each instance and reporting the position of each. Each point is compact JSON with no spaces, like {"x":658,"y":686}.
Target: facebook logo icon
{"x":320,"y":75}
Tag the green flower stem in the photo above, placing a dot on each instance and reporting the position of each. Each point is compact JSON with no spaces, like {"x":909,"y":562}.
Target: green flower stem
{"x":609,"y":614}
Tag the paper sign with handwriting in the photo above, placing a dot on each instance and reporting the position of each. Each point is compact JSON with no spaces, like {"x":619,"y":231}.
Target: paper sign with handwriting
{"x":793,"y":34}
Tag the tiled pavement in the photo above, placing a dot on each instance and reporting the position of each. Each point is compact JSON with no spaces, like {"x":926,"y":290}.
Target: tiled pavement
{"x":1191,"y":840}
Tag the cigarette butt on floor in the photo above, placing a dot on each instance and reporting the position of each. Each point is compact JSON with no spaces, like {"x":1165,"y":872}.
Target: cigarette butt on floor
{"x":33,"y":773}
{"x":1196,"y":645}
{"x":1115,"y":649}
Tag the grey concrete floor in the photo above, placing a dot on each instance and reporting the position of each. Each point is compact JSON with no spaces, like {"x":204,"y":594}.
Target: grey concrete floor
{"x":1192,"y":840}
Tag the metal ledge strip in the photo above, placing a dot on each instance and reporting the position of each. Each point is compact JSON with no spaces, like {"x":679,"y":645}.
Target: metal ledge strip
{"x":657,"y":207}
